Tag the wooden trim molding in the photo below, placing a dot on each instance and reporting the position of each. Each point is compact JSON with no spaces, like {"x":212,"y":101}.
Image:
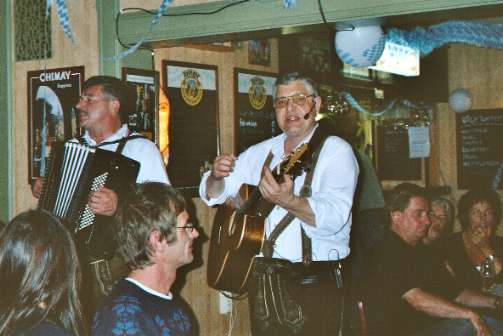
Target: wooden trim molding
{"x":260,"y":16}
{"x":5,"y":110}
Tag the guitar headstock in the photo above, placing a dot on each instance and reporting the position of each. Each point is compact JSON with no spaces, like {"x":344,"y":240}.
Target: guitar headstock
{"x":292,"y":164}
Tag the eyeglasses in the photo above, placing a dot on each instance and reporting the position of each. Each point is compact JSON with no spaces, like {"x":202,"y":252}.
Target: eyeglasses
{"x":297,"y":100}
{"x":189,"y":227}
{"x":91,"y":99}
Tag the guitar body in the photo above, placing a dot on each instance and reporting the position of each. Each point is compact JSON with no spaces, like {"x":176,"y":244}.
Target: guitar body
{"x":236,"y":237}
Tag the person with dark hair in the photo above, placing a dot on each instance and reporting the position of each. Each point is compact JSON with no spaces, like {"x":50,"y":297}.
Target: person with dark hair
{"x":479,"y":212}
{"x":442,"y":221}
{"x":408,"y":291}
{"x":155,"y":239}
{"x":102,"y":112}
{"x":40,"y":276}
{"x":319,"y":216}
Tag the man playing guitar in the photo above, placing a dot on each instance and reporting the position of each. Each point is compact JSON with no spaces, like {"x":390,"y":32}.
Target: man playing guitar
{"x":324,"y":215}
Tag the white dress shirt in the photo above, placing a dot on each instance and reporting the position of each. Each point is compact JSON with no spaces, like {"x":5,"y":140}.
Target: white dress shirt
{"x":142,"y":150}
{"x":333,"y":186}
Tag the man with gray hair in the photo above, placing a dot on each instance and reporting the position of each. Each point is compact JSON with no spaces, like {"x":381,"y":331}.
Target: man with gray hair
{"x":155,"y":238}
{"x":442,"y":220}
{"x":316,"y":239}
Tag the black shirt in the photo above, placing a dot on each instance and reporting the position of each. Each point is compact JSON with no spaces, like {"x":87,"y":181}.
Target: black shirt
{"x":393,"y":268}
{"x":467,"y":275}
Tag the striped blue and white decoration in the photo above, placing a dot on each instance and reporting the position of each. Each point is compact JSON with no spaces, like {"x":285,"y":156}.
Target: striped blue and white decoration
{"x":64,"y":20}
{"x":480,"y":34}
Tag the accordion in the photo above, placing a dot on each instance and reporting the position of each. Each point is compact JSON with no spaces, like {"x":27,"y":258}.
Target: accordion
{"x":73,"y":172}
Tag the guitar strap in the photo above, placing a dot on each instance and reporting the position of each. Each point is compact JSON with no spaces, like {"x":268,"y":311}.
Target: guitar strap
{"x":316,"y":143}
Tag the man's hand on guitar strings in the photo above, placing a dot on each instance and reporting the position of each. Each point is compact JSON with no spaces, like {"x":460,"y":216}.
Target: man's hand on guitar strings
{"x":278,"y":193}
{"x":282,"y":195}
{"x":103,"y":202}
{"x":222,"y":166}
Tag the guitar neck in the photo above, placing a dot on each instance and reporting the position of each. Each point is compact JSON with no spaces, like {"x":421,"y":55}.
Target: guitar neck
{"x":256,"y":203}
{"x":293,"y":166}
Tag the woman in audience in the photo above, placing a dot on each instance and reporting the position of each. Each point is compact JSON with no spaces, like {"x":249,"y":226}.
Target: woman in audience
{"x":479,"y":213}
{"x":39,"y":276}
{"x":442,"y":222}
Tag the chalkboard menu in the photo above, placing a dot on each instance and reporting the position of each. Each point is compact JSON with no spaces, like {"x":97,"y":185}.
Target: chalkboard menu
{"x":255,"y":118}
{"x":393,"y":162}
{"x":479,"y":148}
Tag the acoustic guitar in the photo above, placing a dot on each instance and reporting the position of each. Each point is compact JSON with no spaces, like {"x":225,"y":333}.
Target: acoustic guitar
{"x":238,"y":230}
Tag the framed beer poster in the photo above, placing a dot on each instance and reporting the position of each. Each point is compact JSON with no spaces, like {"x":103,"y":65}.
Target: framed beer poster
{"x":52,"y":95}
{"x":254,"y":112}
{"x":143,"y":87}
{"x":193,"y":121}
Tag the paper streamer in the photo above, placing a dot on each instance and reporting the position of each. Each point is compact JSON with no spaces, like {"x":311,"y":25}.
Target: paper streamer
{"x":352,"y":101}
{"x":132,"y":49}
{"x":64,"y":19}
{"x":481,"y":34}
{"x":289,"y":3}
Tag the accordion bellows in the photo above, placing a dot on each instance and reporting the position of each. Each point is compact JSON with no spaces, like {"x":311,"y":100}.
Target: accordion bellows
{"x":73,"y":172}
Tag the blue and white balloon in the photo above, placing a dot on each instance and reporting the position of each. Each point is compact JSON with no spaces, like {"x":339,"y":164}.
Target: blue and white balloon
{"x":460,"y":100}
{"x":361,"y":46}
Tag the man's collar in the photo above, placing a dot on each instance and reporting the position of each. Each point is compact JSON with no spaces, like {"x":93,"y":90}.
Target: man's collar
{"x":121,"y":133}
{"x":279,"y":149}
{"x":147,"y":289}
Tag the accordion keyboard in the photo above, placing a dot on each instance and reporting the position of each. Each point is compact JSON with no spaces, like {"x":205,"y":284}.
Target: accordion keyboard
{"x":87,"y":217}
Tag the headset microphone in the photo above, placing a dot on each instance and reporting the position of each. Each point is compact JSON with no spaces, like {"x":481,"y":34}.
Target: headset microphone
{"x":306,"y":116}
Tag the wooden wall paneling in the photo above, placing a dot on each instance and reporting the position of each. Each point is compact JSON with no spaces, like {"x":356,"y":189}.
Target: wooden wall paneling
{"x":6,"y":88}
{"x":84,"y":51}
{"x":478,"y":70}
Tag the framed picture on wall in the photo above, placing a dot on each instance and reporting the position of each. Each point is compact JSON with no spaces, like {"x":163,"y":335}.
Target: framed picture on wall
{"x":192,"y":91}
{"x":259,"y":52}
{"x":52,"y":95}
{"x":144,"y":94}
{"x":315,"y":53}
{"x":254,"y":112}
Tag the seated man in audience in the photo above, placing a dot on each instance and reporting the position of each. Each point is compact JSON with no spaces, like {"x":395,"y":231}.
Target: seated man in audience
{"x":155,"y":239}
{"x":409,"y":292}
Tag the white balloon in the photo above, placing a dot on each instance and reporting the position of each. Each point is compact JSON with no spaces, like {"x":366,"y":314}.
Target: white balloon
{"x":361,"y":46}
{"x":460,"y":100}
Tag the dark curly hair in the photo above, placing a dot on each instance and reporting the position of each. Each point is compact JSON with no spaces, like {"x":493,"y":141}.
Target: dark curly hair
{"x":472,"y":197}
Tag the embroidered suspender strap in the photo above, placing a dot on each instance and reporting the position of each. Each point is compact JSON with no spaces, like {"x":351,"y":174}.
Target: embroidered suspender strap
{"x":268,"y":245}
{"x":307,"y":250}
{"x":122,"y":142}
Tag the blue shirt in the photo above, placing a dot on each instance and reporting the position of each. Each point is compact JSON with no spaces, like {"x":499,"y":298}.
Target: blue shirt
{"x":130,"y":310}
